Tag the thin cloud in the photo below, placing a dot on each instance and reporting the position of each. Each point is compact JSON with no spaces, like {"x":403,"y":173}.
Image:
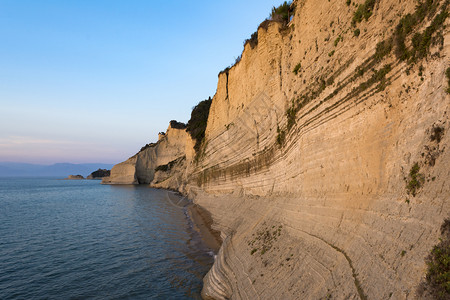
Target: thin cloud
{"x":42,"y":150}
{"x":25,"y":140}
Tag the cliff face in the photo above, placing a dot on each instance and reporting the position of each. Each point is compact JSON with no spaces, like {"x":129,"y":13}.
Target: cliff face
{"x":331,"y":181}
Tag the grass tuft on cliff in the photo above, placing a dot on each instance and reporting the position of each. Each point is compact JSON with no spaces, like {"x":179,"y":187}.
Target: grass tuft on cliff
{"x":196,"y":126}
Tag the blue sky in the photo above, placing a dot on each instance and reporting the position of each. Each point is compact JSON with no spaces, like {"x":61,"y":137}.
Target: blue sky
{"x":94,"y":80}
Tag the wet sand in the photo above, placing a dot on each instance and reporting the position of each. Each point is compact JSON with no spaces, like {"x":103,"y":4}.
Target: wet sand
{"x":202,"y":223}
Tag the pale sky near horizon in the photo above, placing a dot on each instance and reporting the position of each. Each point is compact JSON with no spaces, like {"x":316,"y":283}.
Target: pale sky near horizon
{"x":94,"y":80}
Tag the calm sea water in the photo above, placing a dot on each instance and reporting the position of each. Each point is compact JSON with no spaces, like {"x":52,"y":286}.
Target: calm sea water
{"x":82,"y":240}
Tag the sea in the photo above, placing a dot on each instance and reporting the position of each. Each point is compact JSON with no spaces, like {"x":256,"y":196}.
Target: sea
{"x":78,"y":239}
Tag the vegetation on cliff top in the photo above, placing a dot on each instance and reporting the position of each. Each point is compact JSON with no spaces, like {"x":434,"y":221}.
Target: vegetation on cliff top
{"x":279,"y":14}
{"x":196,"y":126}
{"x":177,"y":125}
{"x":149,"y":145}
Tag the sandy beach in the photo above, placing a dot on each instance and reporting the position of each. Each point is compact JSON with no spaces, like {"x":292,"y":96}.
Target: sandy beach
{"x":202,"y":223}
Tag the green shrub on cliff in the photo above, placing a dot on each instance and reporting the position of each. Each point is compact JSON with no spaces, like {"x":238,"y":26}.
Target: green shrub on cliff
{"x":281,"y":136}
{"x":297,"y":68}
{"x":364,"y":11}
{"x":291,"y":114}
{"x":416,"y":180}
{"x":421,"y":42}
{"x":447,"y":74}
{"x":196,"y":126}
{"x":437,"y":284}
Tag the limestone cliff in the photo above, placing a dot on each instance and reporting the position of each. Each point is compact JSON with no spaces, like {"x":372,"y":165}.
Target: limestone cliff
{"x":325,"y":163}
{"x":140,"y":168}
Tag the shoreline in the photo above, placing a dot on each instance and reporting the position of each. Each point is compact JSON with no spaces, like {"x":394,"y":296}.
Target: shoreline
{"x":202,"y":221}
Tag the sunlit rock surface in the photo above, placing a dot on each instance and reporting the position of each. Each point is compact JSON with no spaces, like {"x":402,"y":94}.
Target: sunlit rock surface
{"x":319,"y":204}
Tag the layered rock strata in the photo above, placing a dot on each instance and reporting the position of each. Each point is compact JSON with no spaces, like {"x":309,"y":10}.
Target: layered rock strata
{"x":331,"y":181}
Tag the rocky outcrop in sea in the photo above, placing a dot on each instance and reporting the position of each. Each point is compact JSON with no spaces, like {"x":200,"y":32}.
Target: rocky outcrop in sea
{"x":99,"y":174}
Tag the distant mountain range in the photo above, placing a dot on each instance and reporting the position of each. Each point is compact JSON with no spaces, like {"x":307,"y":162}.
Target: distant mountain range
{"x":14,"y":169}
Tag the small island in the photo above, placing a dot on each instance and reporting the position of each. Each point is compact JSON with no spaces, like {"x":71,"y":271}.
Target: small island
{"x":99,"y":174}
